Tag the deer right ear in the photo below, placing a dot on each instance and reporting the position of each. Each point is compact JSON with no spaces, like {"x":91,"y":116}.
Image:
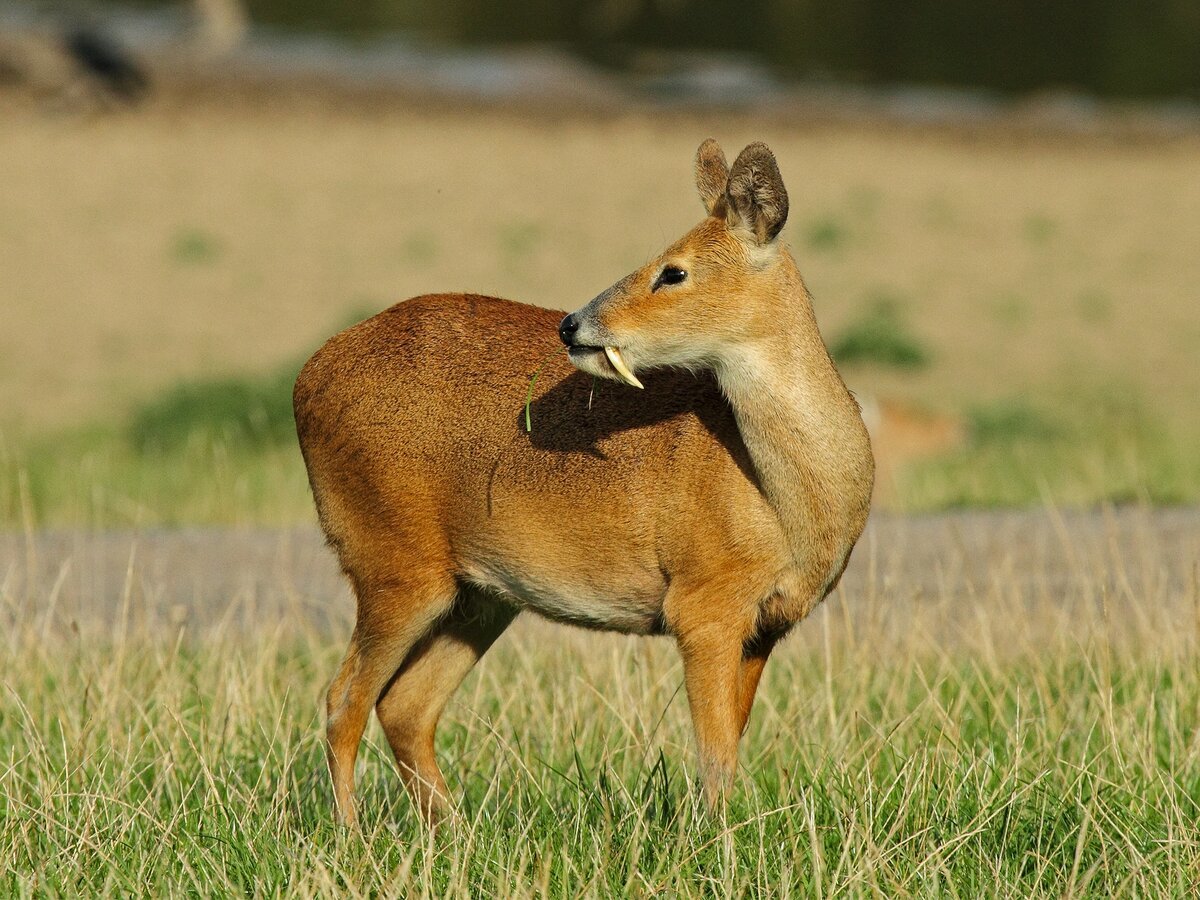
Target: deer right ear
{"x":756,"y":195}
{"x":712,"y":175}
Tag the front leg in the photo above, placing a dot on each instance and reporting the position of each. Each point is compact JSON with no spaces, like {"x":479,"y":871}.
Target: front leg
{"x":712,"y":663}
{"x":754,"y":660}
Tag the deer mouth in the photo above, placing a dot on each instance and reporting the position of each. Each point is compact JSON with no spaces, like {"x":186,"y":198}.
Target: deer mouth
{"x":612,"y":355}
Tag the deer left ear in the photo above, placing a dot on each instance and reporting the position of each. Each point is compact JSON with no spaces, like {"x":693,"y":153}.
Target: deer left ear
{"x":756,"y":195}
{"x":712,"y":175}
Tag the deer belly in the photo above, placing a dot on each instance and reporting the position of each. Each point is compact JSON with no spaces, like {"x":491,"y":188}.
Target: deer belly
{"x":628,"y":601}
{"x":563,"y":553}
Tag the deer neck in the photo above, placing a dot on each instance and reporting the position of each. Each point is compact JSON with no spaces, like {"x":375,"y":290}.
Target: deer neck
{"x":803,"y":431}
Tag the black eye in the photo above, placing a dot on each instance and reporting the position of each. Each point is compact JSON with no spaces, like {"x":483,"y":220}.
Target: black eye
{"x":669,"y":275}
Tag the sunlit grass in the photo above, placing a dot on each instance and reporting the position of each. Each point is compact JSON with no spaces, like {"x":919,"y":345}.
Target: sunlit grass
{"x":95,"y":477}
{"x":1022,"y":739}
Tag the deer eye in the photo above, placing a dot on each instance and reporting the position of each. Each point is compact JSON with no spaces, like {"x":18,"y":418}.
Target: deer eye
{"x":669,"y":275}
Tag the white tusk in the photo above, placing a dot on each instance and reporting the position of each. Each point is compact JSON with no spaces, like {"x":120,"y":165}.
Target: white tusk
{"x":614,"y":357}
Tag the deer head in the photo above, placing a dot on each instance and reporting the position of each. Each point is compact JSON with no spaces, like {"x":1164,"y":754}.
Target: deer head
{"x":709,"y":294}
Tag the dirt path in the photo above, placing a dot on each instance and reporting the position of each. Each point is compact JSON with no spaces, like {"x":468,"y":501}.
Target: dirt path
{"x":956,"y":565}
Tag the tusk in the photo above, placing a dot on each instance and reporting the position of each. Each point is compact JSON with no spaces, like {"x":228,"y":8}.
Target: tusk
{"x":614,"y":357}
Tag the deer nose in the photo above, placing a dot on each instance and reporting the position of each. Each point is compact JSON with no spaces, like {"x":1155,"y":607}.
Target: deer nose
{"x":567,"y":329}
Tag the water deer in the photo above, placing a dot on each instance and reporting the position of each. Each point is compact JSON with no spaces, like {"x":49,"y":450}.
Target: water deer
{"x":713,"y":494}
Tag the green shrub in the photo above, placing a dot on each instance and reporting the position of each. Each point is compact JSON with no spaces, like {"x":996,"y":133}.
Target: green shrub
{"x":191,"y":246}
{"x":1039,"y":229}
{"x":880,"y":337}
{"x":825,"y":234}
{"x":241,"y":411}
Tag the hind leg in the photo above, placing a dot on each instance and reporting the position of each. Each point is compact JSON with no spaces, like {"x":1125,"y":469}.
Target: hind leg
{"x":412,"y":703}
{"x":392,"y":618}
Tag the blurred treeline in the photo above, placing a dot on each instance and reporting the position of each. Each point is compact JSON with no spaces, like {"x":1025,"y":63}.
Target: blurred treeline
{"x":1115,"y":48}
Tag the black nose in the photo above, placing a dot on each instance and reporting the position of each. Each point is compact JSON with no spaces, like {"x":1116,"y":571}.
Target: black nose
{"x":567,"y":329}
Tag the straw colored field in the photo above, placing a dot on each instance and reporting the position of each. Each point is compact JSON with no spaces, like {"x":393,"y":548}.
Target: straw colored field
{"x":1046,"y":287}
{"x":990,"y":705}
{"x":227,"y":236}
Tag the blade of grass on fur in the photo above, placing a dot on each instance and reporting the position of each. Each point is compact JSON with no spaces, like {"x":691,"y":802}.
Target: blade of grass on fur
{"x":532,"y":382}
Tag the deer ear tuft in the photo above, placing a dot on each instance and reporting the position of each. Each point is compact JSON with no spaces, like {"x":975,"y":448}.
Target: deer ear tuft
{"x":712,"y":175}
{"x":756,"y":195}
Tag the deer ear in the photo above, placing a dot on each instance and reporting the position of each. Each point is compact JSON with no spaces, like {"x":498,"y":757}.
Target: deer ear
{"x":756,"y":195}
{"x":712,"y":175}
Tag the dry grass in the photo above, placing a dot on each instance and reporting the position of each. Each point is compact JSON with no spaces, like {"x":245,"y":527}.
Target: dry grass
{"x":990,"y":705}
{"x":226,"y":236}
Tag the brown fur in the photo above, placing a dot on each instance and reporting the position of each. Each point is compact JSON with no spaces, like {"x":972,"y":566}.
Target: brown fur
{"x":713,"y":506}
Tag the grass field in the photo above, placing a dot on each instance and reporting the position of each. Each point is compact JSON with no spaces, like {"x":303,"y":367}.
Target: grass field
{"x":990,"y":705}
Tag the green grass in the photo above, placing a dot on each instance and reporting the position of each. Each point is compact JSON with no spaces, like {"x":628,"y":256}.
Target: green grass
{"x":1039,"y":229}
{"x":1011,"y":310}
{"x":1078,"y":451}
{"x":1094,"y":306}
{"x":224,"y":451}
{"x":516,"y":242}
{"x":98,"y":478}
{"x":241,"y":413}
{"x":899,"y":748}
{"x":210,"y":450}
{"x":1011,"y":421}
{"x":420,"y":248}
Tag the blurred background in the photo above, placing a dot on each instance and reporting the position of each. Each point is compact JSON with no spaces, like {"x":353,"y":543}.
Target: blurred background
{"x":996,"y":206}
